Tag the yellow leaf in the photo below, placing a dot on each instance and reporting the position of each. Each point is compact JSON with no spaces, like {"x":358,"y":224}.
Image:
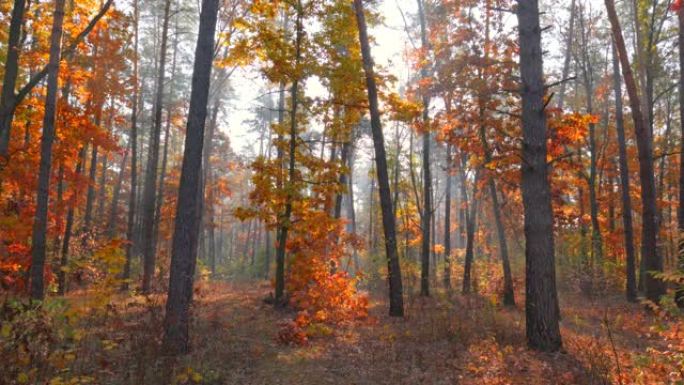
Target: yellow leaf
{"x":22,"y":378}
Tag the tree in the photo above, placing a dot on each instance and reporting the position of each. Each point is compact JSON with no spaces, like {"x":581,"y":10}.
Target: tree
{"x":388,"y":221}
{"x":426,"y":215}
{"x":680,"y":211}
{"x":187,"y":221}
{"x":40,"y":222}
{"x":631,"y":287}
{"x":150,"y":185}
{"x":652,"y":261}
{"x":541,"y":304}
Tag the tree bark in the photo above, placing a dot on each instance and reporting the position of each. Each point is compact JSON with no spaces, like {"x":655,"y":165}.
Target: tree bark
{"x":186,"y":231}
{"x":62,"y":287}
{"x":679,"y":296}
{"x":39,"y":234}
{"x":285,"y":219}
{"x":447,"y":221}
{"x":566,"y":60}
{"x":653,"y":262}
{"x":427,"y":178}
{"x":541,"y":305}
{"x":388,"y":220}
{"x":132,"y":201}
{"x":149,"y":189}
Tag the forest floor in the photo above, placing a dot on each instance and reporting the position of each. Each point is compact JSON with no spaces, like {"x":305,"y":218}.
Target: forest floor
{"x":455,"y":340}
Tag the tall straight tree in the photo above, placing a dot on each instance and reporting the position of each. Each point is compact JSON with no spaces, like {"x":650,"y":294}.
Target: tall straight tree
{"x":187,"y":226}
{"x":150,"y":186}
{"x":679,"y":297}
{"x":541,"y":304}
{"x":652,"y":261}
{"x":447,"y":221}
{"x":285,"y":219}
{"x":39,"y":235}
{"x":426,"y":215}
{"x":388,"y":221}
{"x":132,"y":200}
{"x":631,"y":287}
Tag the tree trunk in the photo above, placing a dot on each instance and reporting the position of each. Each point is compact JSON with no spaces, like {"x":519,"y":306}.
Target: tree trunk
{"x":447,"y":221}
{"x":388,"y":220}
{"x":285,"y":219}
{"x":130,"y":226}
{"x":679,"y":296}
{"x":149,"y":193}
{"x":541,"y":305}
{"x":111,"y":222}
{"x":628,"y":229}
{"x":39,"y":235}
{"x":427,"y":179}
{"x":653,"y":262}
{"x":7,"y":98}
{"x":471,"y":224}
{"x":90,"y":197}
{"x":62,"y":287}
{"x":186,"y":231}
{"x":568,"y":50}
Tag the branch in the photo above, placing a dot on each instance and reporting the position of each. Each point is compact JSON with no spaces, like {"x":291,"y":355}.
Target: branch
{"x":66,"y":54}
{"x":560,"y":82}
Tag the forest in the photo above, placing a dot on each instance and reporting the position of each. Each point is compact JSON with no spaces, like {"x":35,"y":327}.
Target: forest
{"x":342,"y":192}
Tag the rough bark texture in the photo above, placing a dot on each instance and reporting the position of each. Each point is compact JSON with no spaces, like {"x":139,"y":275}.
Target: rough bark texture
{"x":186,"y":231}
{"x":541,"y":305}
{"x":149,"y":189}
{"x":39,"y":235}
{"x":628,"y":228}
{"x":653,"y":262}
{"x":388,"y":220}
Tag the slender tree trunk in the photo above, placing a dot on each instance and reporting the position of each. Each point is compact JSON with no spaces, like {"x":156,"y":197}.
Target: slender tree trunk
{"x":568,"y":51}
{"x":447,"y":221}
{"x":130,"y":226}
{"x":90,"y":197}
{"x":388,"y":220}
{"x":541,"y":305}
{"x":186,"y":231}
{"x":471,"y":225}
{"x":39,"y":235}
{"x":111,"y":222}
{"x":149,"y":193}
{"x":285,"y":219}
{"x":62,"y":287}
{"x":427,"y":178}
{"x":7,"y":98}
{"x":679,"y":296}
{"x":628,"y":229}
{"x":653,"y":262}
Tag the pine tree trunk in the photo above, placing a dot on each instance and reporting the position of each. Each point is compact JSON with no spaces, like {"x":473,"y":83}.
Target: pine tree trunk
{"x":679,"y":296}
{"x":62,"y":286}
{"x":568,"y":52}
{"x":130,"y":225}
{"x":541,"y":306}
{"x":149,"y":189}
{"x":186,"y":231}
{"x":653,"y":262}
{"x":447,"y":221}
{"x":388,"y":220}
{"x":8,"y":98}
{"x":39,"y":234}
